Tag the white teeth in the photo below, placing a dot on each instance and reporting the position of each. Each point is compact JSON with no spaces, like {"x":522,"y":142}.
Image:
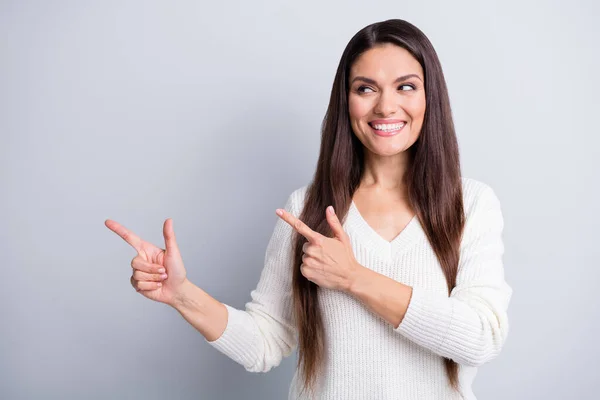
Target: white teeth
{"x":388,"y":127}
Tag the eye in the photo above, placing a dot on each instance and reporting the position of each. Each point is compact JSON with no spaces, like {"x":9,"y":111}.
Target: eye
{"x":407,"y":85}
{"x":361,"y":88}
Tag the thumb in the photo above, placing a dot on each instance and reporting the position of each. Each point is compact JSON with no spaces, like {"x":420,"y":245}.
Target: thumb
{"x":336,"y":225}
{"x":169,"y":234}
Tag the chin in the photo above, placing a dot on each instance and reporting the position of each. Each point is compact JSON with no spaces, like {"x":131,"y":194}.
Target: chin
{"x":387,"y":152}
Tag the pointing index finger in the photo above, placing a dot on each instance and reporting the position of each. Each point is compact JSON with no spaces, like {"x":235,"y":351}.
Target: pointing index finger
{"x":125,"y":234}
{"x":299,"y":226}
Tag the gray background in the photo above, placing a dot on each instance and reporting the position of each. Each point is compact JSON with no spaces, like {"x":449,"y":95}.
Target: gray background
{"x":210,"y":114}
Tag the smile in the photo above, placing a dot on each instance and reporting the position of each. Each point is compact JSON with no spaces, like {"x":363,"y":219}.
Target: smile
{"x":387,"y":129}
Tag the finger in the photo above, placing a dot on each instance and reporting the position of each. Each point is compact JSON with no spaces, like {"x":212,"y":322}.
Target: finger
{"x":300,"y":227}
{"x":137,"y":285}
{"x":139,"y":263}
{"x":143,"y":276}
{"x":307,"y":261}
{"x":307,"y":272}
{"x":304,"y":270}
{"x":143,"y":285}
{"x":335,"y":224}
{"x":169,"y":234}
{"x":309,"y":249}
{"x":125,"y":234}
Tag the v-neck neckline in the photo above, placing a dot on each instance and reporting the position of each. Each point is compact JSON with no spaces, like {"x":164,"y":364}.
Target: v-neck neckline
{"x":387,"y":249}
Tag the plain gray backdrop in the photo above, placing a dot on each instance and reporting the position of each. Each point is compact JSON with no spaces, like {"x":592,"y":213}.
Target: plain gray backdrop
{"x":210,"y":113}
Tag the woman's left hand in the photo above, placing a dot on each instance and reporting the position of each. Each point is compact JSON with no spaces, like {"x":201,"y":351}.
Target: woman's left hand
{"x":328,"y":262}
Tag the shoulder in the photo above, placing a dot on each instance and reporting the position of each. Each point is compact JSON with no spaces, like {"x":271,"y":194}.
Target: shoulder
{"x":300,"y":193}
{"x":295,"y":201}
{"x":477,"y":194}
{"x":481,"y":205}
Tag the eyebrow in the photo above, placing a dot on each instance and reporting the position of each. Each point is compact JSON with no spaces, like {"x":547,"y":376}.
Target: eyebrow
{"x":373,"y":82}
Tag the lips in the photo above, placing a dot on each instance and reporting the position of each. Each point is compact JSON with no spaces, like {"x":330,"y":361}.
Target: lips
{"x":387,"y":129}
{"x":385,"y":121}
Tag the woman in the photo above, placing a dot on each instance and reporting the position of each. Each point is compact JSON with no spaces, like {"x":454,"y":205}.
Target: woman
{"x":398,"y":290}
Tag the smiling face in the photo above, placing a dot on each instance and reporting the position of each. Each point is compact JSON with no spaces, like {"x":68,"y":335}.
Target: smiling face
{"x":386,"y":101}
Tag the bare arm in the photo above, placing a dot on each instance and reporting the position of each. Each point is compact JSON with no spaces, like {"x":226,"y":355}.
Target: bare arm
{"x":382,"y":295}
{"x":203,"y":312}
{"x":259,"y":336}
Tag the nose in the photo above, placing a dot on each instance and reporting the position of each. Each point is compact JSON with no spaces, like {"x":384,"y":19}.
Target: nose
{"x":387,"y":104}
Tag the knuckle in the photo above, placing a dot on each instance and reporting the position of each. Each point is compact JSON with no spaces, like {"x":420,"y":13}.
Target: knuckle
{"x":137,"y":263}
{"x":305,"y":272}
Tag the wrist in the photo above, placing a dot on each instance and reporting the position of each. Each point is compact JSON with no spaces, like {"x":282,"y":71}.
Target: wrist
{"x":183,"y":295}
{"x":206,"y":314}
{"x":358,"y":276}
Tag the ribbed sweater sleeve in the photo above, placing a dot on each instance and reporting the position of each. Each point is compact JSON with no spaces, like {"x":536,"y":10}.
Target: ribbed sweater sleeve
{"x":261,"y":335}
{"x":471,"y":325}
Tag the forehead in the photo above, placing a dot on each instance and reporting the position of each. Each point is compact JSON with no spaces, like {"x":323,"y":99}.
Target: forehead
{"x":385,"y":62}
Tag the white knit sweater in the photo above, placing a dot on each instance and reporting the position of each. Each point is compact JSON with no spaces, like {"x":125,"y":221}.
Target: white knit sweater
{"x":366,"y":357}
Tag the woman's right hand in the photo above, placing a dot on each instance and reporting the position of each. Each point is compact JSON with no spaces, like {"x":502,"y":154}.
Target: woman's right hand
{"x":148,"y":278}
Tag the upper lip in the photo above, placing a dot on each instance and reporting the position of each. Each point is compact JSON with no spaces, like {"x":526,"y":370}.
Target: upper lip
{"x":386,"y":121}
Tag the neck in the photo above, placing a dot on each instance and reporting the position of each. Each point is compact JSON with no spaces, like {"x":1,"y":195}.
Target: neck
{"x":384,"y":172}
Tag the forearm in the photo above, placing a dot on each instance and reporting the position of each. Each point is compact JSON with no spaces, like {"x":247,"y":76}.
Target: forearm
{"x":203,"y":312}
{"x":382,"y":295}
{"x":466,"y":328}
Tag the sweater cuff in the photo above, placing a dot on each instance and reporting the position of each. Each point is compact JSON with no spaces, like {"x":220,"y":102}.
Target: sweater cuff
{"x":238,"y":338}
{"x":427,"y":319}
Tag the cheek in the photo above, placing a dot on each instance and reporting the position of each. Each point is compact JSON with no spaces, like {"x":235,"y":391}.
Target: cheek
{"x":417,"y":108}
{"x":356,"y":108}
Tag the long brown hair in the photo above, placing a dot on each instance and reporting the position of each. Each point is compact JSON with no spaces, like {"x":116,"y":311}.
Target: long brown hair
{"x":433,"y":180}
